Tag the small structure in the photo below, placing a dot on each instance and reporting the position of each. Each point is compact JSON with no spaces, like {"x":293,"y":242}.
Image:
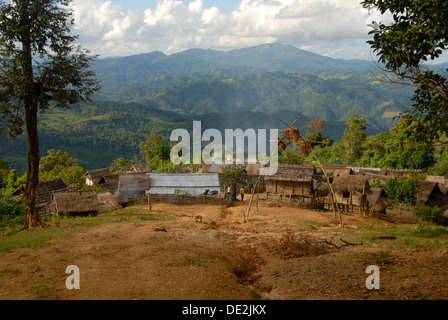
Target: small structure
{"x":351,"y":192}
{"x":184,"y":184}
{"x":378,"y":201}
{"x":74,"y":203}
{"x":132,"y":185}
{"x":92,"y":177}
{"x":107,"y":203}
{"x":139,"y":168}
{"x":108,"y":183}
{"x":44,"y":192}
{"x":441,"y":180}
{"x":431,"y":194}
{"x":291,"y":180}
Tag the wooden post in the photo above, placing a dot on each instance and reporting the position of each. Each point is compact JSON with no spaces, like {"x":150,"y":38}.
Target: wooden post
{"x":149,"y":202}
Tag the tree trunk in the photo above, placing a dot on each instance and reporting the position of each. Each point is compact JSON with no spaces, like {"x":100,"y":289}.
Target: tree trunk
{"x":32,"y":217}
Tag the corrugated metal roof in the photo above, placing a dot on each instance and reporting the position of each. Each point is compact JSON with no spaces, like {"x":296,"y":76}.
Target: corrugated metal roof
{"x":193,"y":184}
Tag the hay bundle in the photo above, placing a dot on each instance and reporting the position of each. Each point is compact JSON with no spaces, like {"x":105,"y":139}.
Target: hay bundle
{"x":281,"y":145}
{"x":306,"y":148}
{"x":291,"y":135}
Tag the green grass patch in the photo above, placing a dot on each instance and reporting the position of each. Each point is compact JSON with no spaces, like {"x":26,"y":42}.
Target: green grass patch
{"x":313,"y":223}
{"x":409,"y":236}
{"x":9,"y":271}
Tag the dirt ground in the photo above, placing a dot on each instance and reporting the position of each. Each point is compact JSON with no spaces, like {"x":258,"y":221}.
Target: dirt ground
{"x":208,"y":253}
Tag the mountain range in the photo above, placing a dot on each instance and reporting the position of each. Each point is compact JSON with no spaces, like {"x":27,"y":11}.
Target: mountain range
{"x":245,"y":88}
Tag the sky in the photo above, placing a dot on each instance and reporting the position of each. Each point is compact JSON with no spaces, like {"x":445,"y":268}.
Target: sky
{"x":334,"y":28}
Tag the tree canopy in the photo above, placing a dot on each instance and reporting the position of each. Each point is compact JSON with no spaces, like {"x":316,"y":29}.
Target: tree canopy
{"x":418,"y":34}
{"x":40,"y":68}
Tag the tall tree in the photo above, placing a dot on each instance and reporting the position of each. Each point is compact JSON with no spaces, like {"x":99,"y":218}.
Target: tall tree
{"x":418,"y":33}
{"x":353,"y":138}
{"x":40,"y":68}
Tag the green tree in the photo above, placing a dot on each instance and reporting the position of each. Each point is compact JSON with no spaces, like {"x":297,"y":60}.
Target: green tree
{"x":53,"y":159}
{"x":234,"y":175}
{"x":163,"y":153}
{"x":40,"y":68}
{"x":148,"y":150}
{"x":121,"y":165}
{"x":417,"y":34}
{"x":12,"y":179}
{"x":354,"y":137}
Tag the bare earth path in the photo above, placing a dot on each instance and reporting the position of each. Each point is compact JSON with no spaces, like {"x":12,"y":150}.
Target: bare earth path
{"x":207,"y":253}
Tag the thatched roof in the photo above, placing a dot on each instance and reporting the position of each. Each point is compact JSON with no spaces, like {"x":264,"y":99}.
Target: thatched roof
{"x":378,"y":200}
{"x":139,"y":168}
{"x":351,"y":183}
{"x":107,"y":203}
{"x":441,"y":180}
{"x":96,"y":175}
{"x":293,"y":173}
{"x":44,"y":190}
{"x":74,"y":203}
{"x":430,"y":194}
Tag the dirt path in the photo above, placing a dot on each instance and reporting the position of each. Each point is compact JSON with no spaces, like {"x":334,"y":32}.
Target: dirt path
{"x":207,"y":253}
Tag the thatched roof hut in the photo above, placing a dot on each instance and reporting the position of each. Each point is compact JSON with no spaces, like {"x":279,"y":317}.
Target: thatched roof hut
{"x":291,"y":179}
{"x":351,"y":192}
{"x":378,"y":200}
{"x":441,"y":180}
{"x":74,"y":203}
{"x":92,"y":177}
{"x":429,"y":193}
{"x":351,"y":184}
{"x":139,"y":168}
{"x":107,"y":203}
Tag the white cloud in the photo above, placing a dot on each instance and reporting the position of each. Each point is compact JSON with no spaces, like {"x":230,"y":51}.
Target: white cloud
{"x":174,"y":25}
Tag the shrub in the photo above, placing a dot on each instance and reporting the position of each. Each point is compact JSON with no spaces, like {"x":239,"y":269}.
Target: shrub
{"x":431,"y":214}
{"x":12,"y":212}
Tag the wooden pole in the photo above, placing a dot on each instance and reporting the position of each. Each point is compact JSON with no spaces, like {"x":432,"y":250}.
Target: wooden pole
{"x":149,"y":202}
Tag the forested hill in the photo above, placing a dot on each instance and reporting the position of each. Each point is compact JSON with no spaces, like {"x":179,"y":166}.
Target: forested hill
{"x":245,"y":88}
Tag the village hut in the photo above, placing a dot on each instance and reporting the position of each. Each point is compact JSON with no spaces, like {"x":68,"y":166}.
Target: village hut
{"x":132,"y":185}
{"x":184,"y":184}
{"x":73,"y":203}
{"x":378,"y":201}
{"x":351,"y":192}
{"x":432,"y":195}
{"x":441,"y":180}
{"x":108,"y":183}
{"x":291,"y":180}
{"x":107,"y":203}
{"x":44,"y":191}
{"x":92,"y":177}
{"x":139,"y":168}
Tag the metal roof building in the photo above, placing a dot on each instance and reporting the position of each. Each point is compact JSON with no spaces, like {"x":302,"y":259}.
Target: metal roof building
{"x":190,"y":184}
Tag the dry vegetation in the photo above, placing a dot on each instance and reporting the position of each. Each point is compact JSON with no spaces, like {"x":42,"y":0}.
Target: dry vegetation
{"x":207,"y":252}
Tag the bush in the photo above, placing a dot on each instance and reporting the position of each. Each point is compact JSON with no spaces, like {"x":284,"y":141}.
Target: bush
{"x":431,"y":214}
{"x":12,"y":212}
